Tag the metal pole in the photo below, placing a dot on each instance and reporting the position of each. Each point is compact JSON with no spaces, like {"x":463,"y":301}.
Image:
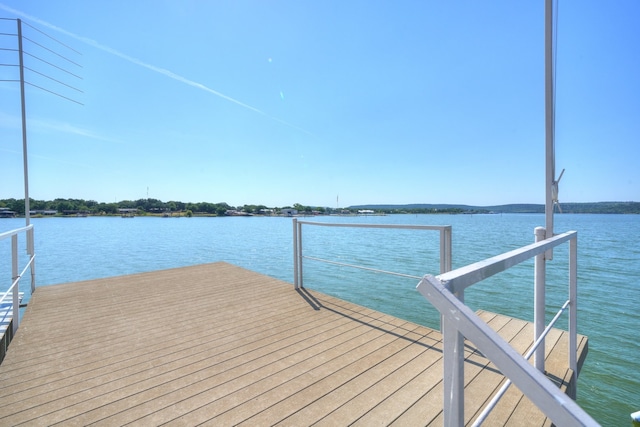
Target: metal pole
{"x":300,"y":274}
{"x":539,"y":301}
{"x":453,"y":381}
{"x":14,"y":257}
{"x":448,"y":234}
{"x":16,"y":289}
{"x":549,"y":123}
{"x":27,"y":208}
{"x":31,"y":251}
{"x":573,"y":311}
{"x":443,"y":252}
{"x":295,"y":253}
{"x":445,"y":249}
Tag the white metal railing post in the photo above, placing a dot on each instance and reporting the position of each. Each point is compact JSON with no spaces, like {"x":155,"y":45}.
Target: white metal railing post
{"x":31,"y":251}
{"x":14,"y":276}
{"x":573,"y":311}
{"x":445,"y":261}
{"x":453,"y":378}
{"x":14,"y":257}
{"x":295,"y":253}
{"x":300,"y":275}
{"x":449,"y":233}
{"x":453,"y":342}
{"x":445,"y":249}
{"x":539,"y":301}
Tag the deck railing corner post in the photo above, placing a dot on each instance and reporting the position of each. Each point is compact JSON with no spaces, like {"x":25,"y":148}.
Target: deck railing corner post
{"x":32,"y":252}
{"x":14,"y":257}
{"x":573,"y":311}
{"x":296,"y":285}
{"x":445,"y":249}
{"x":453,"y":380}
{"x":539,"y":323}
{"x":15,"y":303}
{"x":299,"y":244}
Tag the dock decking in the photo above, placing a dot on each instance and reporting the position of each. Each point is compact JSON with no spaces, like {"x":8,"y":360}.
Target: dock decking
{"x":221,"y":345}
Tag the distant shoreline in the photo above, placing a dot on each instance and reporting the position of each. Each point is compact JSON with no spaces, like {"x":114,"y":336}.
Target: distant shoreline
{"x":579,"y":208}
{"x":10,"y":208}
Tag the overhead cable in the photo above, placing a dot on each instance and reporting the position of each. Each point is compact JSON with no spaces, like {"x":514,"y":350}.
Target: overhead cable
{"x":52,"y":38}
{"x":54,"y":93}
{"x":52,"y":51}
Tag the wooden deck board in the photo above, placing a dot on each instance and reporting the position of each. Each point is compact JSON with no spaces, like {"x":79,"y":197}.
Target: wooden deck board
{"x":220,"y":345}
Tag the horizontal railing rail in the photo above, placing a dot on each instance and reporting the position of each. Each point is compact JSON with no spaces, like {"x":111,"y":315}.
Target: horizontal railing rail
{"x":459,"y":321}
{"x":463,"y":277}
{"x":14,"y":289}
{"x":298,"y":256}
{"x":15,"y":232}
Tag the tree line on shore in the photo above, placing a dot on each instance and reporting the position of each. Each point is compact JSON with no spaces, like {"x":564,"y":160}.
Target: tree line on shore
{"x":150,"y":206}
{"x":155,"y":206}
{"x":576,"y":208}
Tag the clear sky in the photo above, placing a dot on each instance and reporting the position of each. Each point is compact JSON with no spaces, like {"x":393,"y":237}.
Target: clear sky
{"x":320,"y":102}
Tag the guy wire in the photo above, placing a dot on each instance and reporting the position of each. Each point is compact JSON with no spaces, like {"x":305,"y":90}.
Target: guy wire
{"x":55,"y":80}
{"x":53,"y":65}
{"x":57,"y":41}
{"x":54,"y":93}
{"x":52,"y":51}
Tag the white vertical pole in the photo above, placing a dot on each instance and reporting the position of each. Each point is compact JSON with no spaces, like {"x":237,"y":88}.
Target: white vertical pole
{"x":453,"y":352}
{"x":449,"y":248}
{"x":14,"y":257}
{"x":549,"y":123}
{"x":27,"y":207}
{"x":31,"y":251}
{"x":539,"y":302}
{"x":300,"y":278}
{"x":296,"y":285}
{"x":445,"y":249}
{"x":446,"y":261}
{"x":453,"y":355}
{"x":14,"y":276}
{"x":573,"y":311}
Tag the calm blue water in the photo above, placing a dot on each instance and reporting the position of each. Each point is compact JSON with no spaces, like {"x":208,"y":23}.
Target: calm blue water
{"x":74,"y":249}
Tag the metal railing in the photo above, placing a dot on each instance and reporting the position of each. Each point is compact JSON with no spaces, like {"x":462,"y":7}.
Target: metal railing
{"x":16,"y":276}
{"x":446,"y":293}
{"x":445,"y":246}
{"x":460,"y":322}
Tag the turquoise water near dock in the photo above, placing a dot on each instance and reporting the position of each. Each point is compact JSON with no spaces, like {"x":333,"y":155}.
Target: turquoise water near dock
{"x":74,"y":249}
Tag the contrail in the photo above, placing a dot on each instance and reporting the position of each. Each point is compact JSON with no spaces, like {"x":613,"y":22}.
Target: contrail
{"x":153,"y":68}
{"x":14,"y":122}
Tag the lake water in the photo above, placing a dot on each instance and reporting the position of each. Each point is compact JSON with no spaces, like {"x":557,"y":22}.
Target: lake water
{"x":74,"y":249}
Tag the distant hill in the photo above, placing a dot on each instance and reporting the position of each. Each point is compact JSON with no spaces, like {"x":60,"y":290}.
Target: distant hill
{"x":596,"y":207}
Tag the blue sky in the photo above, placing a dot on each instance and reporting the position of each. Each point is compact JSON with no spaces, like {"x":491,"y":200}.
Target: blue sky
{"x":322,"y":102}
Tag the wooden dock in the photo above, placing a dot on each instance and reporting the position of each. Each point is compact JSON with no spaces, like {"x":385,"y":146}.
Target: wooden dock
{"x":221,"y":345}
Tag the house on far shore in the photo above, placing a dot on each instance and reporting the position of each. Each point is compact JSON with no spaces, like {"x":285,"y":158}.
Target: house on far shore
{"x":6,"y":213}
{"x":70,"y":212}
{"x":45,"y":212}
{"x":127,"y":212}
{"x":288,"y":212}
